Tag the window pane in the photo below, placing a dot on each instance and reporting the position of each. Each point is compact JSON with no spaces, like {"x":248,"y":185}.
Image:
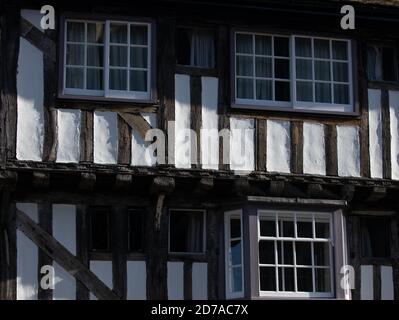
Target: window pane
{"x":264,"y":90}
{"x":186,"y":231}
{"x":138,"y":57}
{"x":322,"y":70}
{"x":95,"y":56}
{"x":340,"y":70}
{"x":282,"y":68}
{"x":341,"y":93}
{"x":375,"y":237}
{"x":235,"y":228}
{"x":75,"y":32}
{"x":237,"y":279}
{"x":75,"y":55}
{"x":304,"y":278}
{"x":236,"y":253}
{"x":321,"y":48}
{"x":118,"y":33}
{"x":281,"y":47}
{"x":322,"y":230}
{"x":99,"y":229}
{"x":138,"y":34}
{"x":286,"y":279}
{"x":285,"y":252}
{"x":303,"y":253}
{"x":267,"y":279}
{"x":304,"y":91}
{"x":282,"y":91}
{"x":323,"y":282}
{"x":286,"y":227}
{"x":245,"y":89}
{"x":94,"y":79}
{"x":118,"y":56}
{"x":138,"y":80}
{"x":117,"y":79}
{"x":95,"y":33}
{"x":267,"y":228}
{"x":339,"y":50}
{"x":136,"y":230}
{"x":304,"y":228}
{"x":244,"y":43}
{"x":323,"y":92}
{"x":263,"y":67}
{"x":388,"y":64}
{"x":303,"y":47}
{"x":263,"y":45}
{"x":321,"y":254}
{"x":304,"y":69}
{"x":244,"y":66}
{"x":267,"y":252}
{"x":75,"y":78}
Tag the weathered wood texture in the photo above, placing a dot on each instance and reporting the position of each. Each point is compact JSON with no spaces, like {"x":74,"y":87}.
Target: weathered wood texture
{"x":82,"y":247}
{"x":196,"y":115}
{"x":261,"y":144}
{"x":86,"y":137}
{"x":188,"y":280}
{"x":136,"y":122}
{"x":124,"y":142}
{"x":119,"y":250}
{"x":331,"y":150}
{"x":296,"y":147}
{"x":386,"y":135}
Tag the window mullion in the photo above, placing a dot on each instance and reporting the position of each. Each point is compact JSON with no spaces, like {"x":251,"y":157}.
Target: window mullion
{"x":313,"y":268}
{"x":85,"y":58}
{"x":128,"y":58}
{"x":106,"y":57}
{"x":313,"y":70}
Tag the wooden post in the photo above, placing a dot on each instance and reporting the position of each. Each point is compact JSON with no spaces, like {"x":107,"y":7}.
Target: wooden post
{"x":119,"y":250}
{"x":82,"y":247}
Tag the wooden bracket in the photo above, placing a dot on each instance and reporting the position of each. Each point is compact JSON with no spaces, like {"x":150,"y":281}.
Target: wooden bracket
{"x":136,"y":122}
{"x":158,"y":213}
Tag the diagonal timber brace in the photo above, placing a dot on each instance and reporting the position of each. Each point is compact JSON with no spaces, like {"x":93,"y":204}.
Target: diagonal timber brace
{"x":136,"y":122}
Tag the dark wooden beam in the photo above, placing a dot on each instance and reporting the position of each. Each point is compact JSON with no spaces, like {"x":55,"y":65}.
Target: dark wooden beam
{"x":124,"y":142}
{"x":296,"y":147}
{"x":63,"y":257}
{"x":331,"y":150}
{"x":82,"y":247}
{"x":86,"y":137}
{"x":87,"y":181}
{"x":188,"y":280}
{"x":123,"y":182}
{"x":213,"y":253}
{"x":41,"y":180}
{"x":386,"y":135}
{"x":162,"y":185}
{"x":261,"y":144}
{"x":204,"y":186}
{"x":136,"y":122}
{"x":119,"y":250}
{"x":196,"y":115}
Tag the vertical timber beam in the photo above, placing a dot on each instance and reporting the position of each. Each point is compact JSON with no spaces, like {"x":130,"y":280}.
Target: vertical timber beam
{"x":86,"y":137}
{"x":296,"y":147}
{"x":261,"y":144}
{"x":82,"y":247}
{"x":386,"y":135}
{"x":331,"y":150}
{"x":119,"y":251}
{"x":124,"y":142}
{"x":212,"y":252}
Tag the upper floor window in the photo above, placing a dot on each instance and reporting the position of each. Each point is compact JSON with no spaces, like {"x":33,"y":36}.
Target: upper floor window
{"x":109,"y":59}
{"x":296,"y":72}
{"x":382,"y":63}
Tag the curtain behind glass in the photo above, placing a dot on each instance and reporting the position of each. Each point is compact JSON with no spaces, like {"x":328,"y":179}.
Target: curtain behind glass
{"x":202,"y":49}
{"x":195,"y":232}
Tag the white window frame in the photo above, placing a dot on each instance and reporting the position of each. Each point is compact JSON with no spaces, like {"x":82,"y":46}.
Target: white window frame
{"x":230,"y":294}
{"x":108,"y":93}
{"x":293,"y":104}
{"x":297,"y":294}
{"x":203,"y":235}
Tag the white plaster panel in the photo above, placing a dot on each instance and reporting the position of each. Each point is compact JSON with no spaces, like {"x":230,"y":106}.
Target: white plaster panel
{"x":242,"y":145}
{"x":68,"y":148}
{"x":175,"y":280}
{"x":314,"y":151}
{"x":278,"y":153}
{"x":136,"y":280}
{"x":105,"y":137}
{"x":348,"y":149}
{"x":375,"y":133}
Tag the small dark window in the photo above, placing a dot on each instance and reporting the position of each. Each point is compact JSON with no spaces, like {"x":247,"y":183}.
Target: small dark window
{"x":196,"y":47}
{"x":382,"y":63}
{"x":375,"y":234}
{"x":136,"y":230}
{"x":186,"y":231}
{"x":100,"y":229}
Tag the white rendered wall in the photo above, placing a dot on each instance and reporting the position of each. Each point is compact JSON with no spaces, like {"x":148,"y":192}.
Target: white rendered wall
{"x":366,"y":283}
{"x":278,"y":153}
{"x":394,"y":118}
{"x":103,"y":270}
{"x":142,"y":154}
{"x":375,"y":133}
{"x":200,"y":281}
{"x":68,"y":148}
{"x":175,"y":280}
{"x":136,"y":280}
{"x":314,"y":151}
{"x":105,"y":137}
{"x":242,"y":145}
{"x":348,"y":149}
{"x":387,"y":290}
{"x":33,"y":16}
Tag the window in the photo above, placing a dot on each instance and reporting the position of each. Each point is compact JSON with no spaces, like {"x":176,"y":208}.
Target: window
{"x":100,"y":229}
{"x":136,"y":227}
{"x":186,"y":231}
{"x":234,"y":256}
{"x":382,"y":63}
{"x":375,"y":235}
{"x":107,"y":59}
{"x":293,"y":72}
{"x":196,"y":47}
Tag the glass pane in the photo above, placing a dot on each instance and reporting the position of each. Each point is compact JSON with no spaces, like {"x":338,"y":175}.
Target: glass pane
{"x":285,"y":252}
{"x":323,"y":92}
{"x":340,"y":70}
{"x":341,"y":93}
{"x":75,"y":55}
{"x":201,"y":48}
{"x":266,"y":252}
{"x":282,"y":68}
{"x":304,"y":69}
{"x":388,"y":64}
{"x":94,"y":79}
{"x":235,"y":228}
{"x":138,"y":57}
{"x":264,"y":90}
{"x":304,"y":280}
{"x":321,"y":254}
{"x":244,"y":66}
{"x":282,"y":91}
{"x":340,"y":50}
{"x":263,"y":45}
{"x":245,"y":89}
{"x":267,"y":279}
{"x":286,"y":279}
{"x":286,"y":227}
{"x":95,"y":33}
{"x":118,"y":33}
{"x":117,"y":79}
{"x":322,"y":230}
{"x":136,"y":229}
{"x":304,"y":228}
{"x":263,"y":67}
{"x":237,"y":279}
{"x":95,"y":56}
{"x":322,"y":70}
{"x":138,"y":34}
{"x":75,"y":78}
{"x":323,"y":282}
{"x":99,"y":229}
{"x":244,"y":43}
{"x":304,"y":91}
{"x":281,"y":47}
{"x":267,"y":228}
{"x":373,"y":63}
{"x":321,"y":48}
{"x":118,"y":56}
{"x":303,"y":47}
{"x":138,"y":80}
{"x":76,"y":32}
{"x":303,"y":253}
{"x":236,"y":253}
